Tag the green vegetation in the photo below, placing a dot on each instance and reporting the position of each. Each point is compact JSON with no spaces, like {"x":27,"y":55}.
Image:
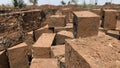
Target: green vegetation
{"x":34,"y":2}
{"x":63,"y":3}
{"x":74,"y":1}
{"x":18,"y":3}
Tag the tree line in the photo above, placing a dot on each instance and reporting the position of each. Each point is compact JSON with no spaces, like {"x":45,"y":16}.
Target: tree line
{"x":20,"y":3}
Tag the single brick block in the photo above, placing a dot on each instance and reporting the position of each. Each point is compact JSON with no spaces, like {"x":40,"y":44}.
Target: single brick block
{"x":85,"y":24}
{"x":81,"y":53}
{"x":42,"y":47}
{"x":57,"y":51}
{"x":61,"y":36}
{"x":44,"y":29}
{"x":68,"y":27}
{"x":3,"y":60}
{"x":98,"y":12}
{"x":109,"y":19}
{"x":57,"y":21}
{"x":18,"y":56}
{"x":44,"y":63}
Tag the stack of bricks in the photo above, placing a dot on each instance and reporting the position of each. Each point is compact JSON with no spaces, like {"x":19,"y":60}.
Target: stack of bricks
{"x":86,"y":24}
{"x":42,"y":47}
{"x":57,"y":21}
{"x":18,"y":56}
{"x":44,"y":63}
{"x":3,"y":60}
{"x":61,"y":36}
{"x":109,"y":19}
{"x":81,"y":53}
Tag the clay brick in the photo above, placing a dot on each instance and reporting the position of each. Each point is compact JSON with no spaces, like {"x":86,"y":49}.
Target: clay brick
{"x":57,"y":51}
{"x":57,"y":21}
{"x":42,"y":47}
{"x":86,"y":24}
{"x":44,"y":29}
{"x":44,"y":63}
{"x":18,"y":56}
{"x":68,"y":27}
{"x":61,"y":36}
{"x":98,"y":12}
{"x":81,"y":53}
{"x":110,"y":19}
{"x":3,"y":60}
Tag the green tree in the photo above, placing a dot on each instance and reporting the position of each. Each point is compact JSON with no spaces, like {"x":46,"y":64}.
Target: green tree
{"x":74,"y":1}
{"x":63,"y":3}
{"x":34,"y":2}
{"x":18,"y":3}
{"x":96,"y":2}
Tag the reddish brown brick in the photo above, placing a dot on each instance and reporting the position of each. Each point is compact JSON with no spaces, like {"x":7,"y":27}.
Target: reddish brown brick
{"x":18,"y":56}
{"x":44,"y":63}
{"x":57,"y":51}
{"x":57,"y":21}
{"x":68,"y":27}
{"x":42,"y":47}
{"x":44,"y":29}
{"x":110,"y":19}
{"x":98,"y":12}
{"x":61,"y":36}
{"x":93,"y":52}
{"x":85,"y":24}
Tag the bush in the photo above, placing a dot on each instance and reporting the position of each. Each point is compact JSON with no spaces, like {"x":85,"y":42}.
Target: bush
{"x":18,"y":3}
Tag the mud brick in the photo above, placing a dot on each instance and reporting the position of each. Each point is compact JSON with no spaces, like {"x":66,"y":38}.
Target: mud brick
{"x":42,"y":47}
{"x":110,"y":19}
{"x":57,"y":51}
{"x":86,"y":24}
{"x":18,"y":56}
{"x":44,"y":63}
{"x":3,"y":60}
{"x":57,"y":21}
{"x":68,"y":27}
{"x":81,"y":53}
{"x":44,"y":29}
{"x":98,"y":12}
{"x":61,"y":36}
